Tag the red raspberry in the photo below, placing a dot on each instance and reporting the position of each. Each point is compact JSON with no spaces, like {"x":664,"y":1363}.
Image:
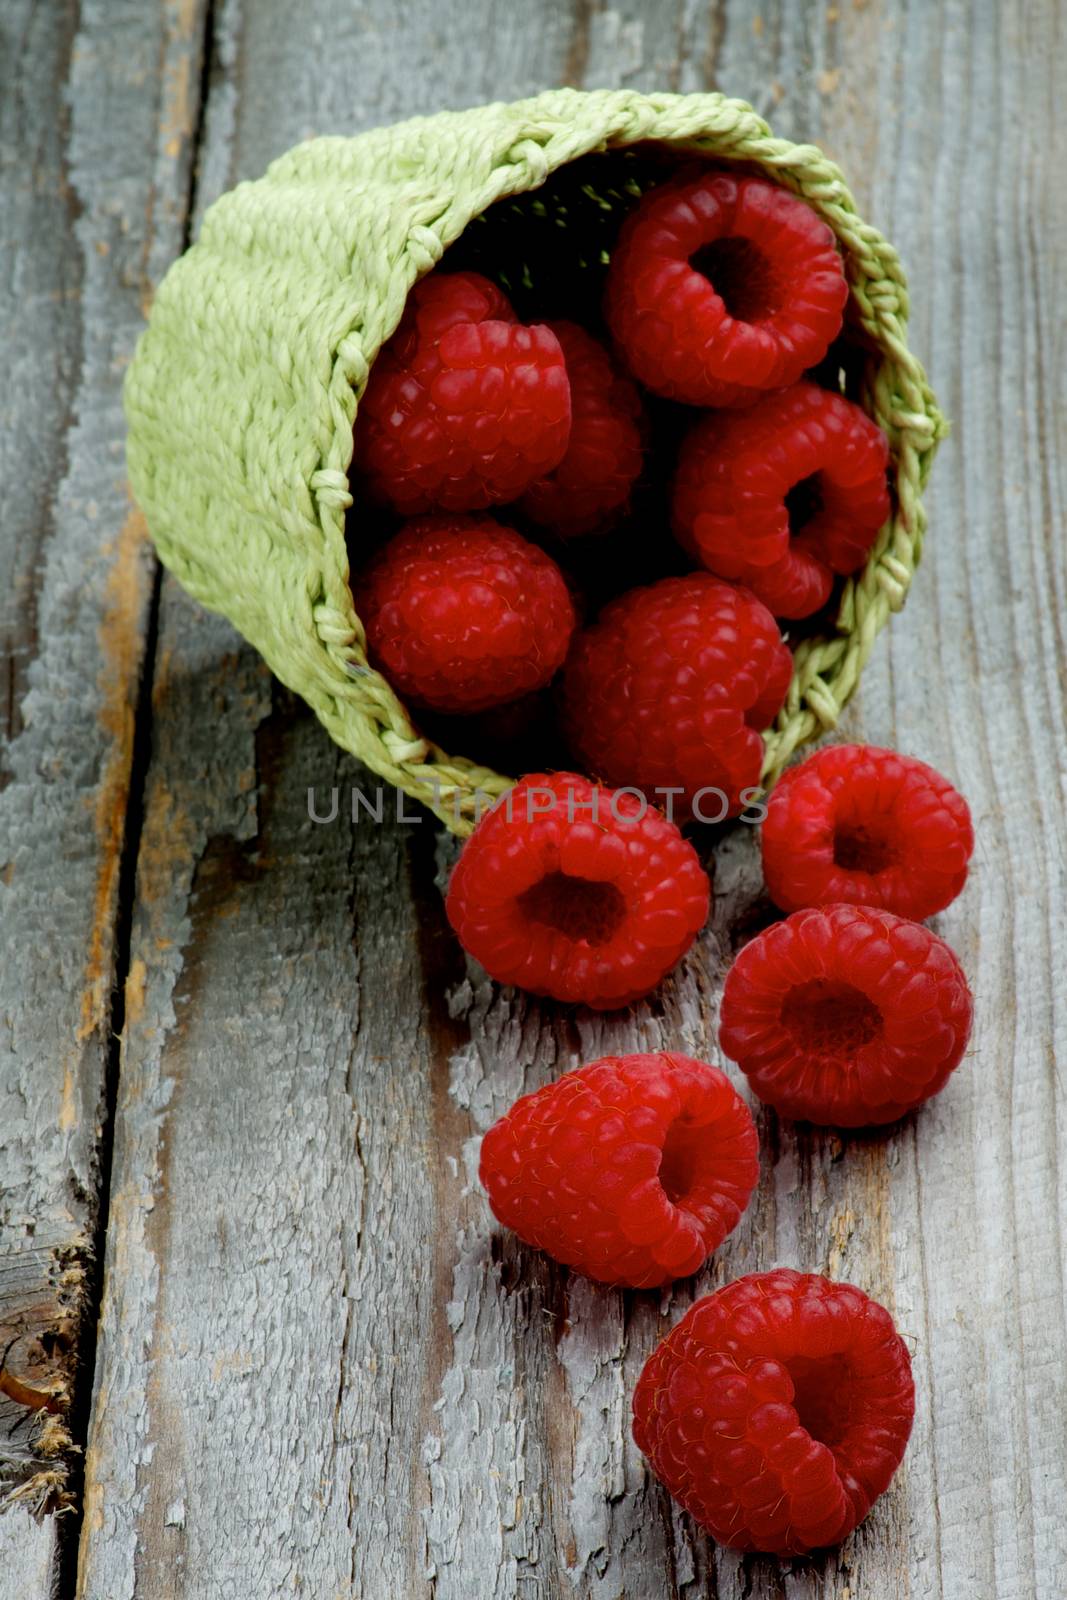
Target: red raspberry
{"x":462,"y":614}
{"x":846,"y":1015}
{"x":783,"y":496}
{"x":670,"y":689}
{"x":464,"y":407}
{"x":570,"y":890}
{"x":778,"y":1410}
{"x":604,"y":455}
{"x":632,"y":1170}
{"x":721,"y":287}
{"x":867,"y":826}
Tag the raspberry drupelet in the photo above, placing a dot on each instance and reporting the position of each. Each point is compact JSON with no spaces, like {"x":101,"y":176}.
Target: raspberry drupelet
{"x":462,"y":614}
{"x":846,"y":1016}
{"x":571,"y":890}
{"x":465,"y":407}
{"x":868,"y":826}
{"x":721,"y":288}
{"x":632,"y":1169}
{"x":670,"y":689}
{"x":593,"y":481}
{"x":778,"y":1410}
{"x":784,"y":496}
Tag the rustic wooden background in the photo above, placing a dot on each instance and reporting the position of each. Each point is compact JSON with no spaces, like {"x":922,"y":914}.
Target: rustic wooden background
{"x":243,"y":1070}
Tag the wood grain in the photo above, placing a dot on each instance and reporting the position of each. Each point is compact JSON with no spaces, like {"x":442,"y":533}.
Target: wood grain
{"x":97,"y":106}
{"x":322,"y":1368}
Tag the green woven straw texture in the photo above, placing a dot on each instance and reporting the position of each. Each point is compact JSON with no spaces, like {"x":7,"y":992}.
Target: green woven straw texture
{"x":244,"y":390}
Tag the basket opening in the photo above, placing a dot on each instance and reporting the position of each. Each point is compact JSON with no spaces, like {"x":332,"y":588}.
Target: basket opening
{"x":578,"y":908}
{"x":549,"y":249}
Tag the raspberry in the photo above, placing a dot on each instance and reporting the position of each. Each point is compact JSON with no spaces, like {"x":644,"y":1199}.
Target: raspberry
{"x":604,"y":455}
{"x":721,"y":287}
{"x":778,"y":1410}
{"x":783,"y":496}
{"x":570,"y":890}
{"x":846,"y":1015}
{"x":670,"y":688}
{"x":632,"y":1170}
{"x":464,"y":407}
{"x":867,"y":826}
{"x":462,"y":614}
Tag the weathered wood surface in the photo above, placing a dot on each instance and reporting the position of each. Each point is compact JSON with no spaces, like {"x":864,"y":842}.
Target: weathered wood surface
{"x":322,"y":1370}
{"x":96,"y":109}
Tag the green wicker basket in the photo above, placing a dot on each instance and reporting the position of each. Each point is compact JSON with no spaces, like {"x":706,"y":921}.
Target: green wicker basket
{"x":243,"y":392}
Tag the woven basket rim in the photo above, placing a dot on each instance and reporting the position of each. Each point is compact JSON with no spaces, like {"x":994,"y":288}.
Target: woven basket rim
{"x":529,"y":140}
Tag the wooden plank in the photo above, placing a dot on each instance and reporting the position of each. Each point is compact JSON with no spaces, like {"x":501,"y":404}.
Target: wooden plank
{"x":323,"y":1369}
{"x":330,"y":1033}
{"x":97,"y":106}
